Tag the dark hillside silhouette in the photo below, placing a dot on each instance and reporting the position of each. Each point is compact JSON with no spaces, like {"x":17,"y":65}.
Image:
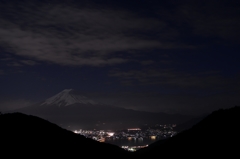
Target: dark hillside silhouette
{"x":188,"y":124}
{"x":29,"y":136}
{"x":217,"y":135}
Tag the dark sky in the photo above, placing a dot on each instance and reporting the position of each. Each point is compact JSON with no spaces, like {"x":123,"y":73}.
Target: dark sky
{"x":170,"y":56}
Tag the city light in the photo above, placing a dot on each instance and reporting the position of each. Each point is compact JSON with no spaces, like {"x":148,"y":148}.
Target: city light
{"x":154,"y":133}
{"x":110,"y":133}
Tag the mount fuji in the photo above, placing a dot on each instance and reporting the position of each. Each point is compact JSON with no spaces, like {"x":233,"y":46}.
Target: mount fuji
{"x":68,"y":97}
{"x":72,"y":110}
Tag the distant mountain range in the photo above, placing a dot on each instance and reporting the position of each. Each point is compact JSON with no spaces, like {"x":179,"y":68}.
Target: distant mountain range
{"x":217,"y":135}
{"x":72,"y":110}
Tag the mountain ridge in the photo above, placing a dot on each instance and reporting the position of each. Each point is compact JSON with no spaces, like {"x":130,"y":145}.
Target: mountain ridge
{"x":76,"y":114}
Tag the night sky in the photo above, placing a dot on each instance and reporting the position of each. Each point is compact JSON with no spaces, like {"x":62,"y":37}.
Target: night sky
{"x":173,"y":56}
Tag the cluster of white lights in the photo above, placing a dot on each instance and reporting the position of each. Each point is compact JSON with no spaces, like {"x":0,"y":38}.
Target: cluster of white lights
{"x":76,"y":132}
{"x":110,"y":133}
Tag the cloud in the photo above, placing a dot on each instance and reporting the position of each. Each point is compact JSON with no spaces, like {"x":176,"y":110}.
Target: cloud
{"x":69,"y":35}
{"x":29,"y":62}
{"x":212,"y":18}
{"x":14,"y":64}
{"x":64,"y":33}
{"x":1,"y":72}
{"x":173,"y":78}
{"x":181,"y":102}
{"x":147,"y":62}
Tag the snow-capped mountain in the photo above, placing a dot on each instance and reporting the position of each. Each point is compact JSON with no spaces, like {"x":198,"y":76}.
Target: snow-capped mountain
{"x":68,"y":97}
{"x":70,"y":109}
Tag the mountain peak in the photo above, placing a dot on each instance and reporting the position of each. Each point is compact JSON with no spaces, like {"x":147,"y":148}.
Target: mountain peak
{"x":67,"y":97}
{"x":67,"y":90}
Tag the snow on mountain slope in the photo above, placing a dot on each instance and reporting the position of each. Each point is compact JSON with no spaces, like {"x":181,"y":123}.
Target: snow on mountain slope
{"x":67,"y":97}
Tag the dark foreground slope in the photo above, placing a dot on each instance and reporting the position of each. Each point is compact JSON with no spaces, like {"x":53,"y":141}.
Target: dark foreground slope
{"x":32,"y":137}
{"x":217,"y":135}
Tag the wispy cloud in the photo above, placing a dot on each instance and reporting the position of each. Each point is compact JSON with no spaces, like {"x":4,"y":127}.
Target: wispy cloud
{"x":77,"y":36}
{"x":1,"y":72}
{"x":28,"y":62}
{"x":14,"y":64}
{"x":172,"y":78}
{"x":147,"y":62}
{"x":94,"y":34}
{"x":219,"y":19}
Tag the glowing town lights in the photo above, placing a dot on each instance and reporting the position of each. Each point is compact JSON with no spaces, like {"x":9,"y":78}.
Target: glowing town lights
{"x":153,"y":137}
{"x":75,"y":131}
{"x":134,"y":129}
{"x":101,"y":140}
{"x":131,"y":149}
{"x":110,"y":134}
